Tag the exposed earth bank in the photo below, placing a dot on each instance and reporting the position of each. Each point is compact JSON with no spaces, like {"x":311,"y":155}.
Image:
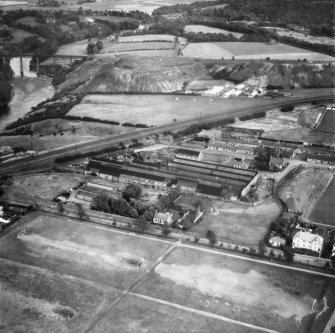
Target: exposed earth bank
{"x":278,"y":75}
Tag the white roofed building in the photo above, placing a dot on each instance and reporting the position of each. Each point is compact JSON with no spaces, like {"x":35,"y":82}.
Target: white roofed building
{"x":307,"y":240}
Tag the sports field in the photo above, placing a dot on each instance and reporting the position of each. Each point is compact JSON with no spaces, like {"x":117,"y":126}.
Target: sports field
{"x":153,"y":109}
{"x":246,"y":50}
{"x":61,"y":275}
{"x":324,"y":209}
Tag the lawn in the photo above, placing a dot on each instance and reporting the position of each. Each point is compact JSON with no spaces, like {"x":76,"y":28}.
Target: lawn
{"x":236,"y":223}
{"x":154,"y":109}
{"x":44,"y":186}
{"x":34,"y":300}
{"x":254,"y":50}
{"x":324,"y":209}
{"x":205,"y":29}
{"x":81,"y":250}
{"x":267,"y":296}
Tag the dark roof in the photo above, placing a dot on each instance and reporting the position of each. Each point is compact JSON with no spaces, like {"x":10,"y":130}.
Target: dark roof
{"x":209,"y":190}
{"x":321,"y":157}
{"x":188,"y":152}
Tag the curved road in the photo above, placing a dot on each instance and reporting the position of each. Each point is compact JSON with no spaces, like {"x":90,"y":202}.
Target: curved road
{"x":303,"y":96}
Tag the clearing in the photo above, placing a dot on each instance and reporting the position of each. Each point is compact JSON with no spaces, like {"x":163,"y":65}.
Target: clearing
{"x":235,"y":222}
{"x":324,"y":209}
{"x":271,"y":297}
{"x":252,"y":50}
{"x":302,"y":187}
{"x":209,"y":30}
{"x":41,"y":186}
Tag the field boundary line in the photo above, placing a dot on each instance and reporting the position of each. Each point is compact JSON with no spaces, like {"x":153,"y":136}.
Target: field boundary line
{"x":201,"y":312}
{"x":256,"y":260}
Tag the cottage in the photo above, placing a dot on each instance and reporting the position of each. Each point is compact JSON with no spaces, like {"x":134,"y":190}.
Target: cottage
{"x":277,"y":241}
{"x":277,"y":162}
{"x":163,"y":218}
{"x":307,"y":240}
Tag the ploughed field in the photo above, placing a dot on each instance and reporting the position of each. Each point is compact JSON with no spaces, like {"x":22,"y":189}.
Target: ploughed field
{"x":252,"y":50}
{"x":61,"y":275}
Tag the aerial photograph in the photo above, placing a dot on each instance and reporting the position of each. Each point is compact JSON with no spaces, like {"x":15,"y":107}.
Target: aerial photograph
{"x":167,"y":166}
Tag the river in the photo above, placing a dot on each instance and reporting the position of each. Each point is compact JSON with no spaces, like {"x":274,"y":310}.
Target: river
{"x":28,"y":91}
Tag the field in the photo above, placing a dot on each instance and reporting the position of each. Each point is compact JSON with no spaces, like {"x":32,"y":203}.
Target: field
{"x":303,"y":188}
{"x":148,"y":38}
{"x":28,"y":20}
{"x":305,"y":37}
{"x":134,"y":46}
{"x":233,"y":222}
{"x":43,"y":186}
{"x":144,"y":53}
{"x":328,"y":122}
{"x":153,"y":109}
{"x":324,"y":209}
{"x":269,"y":297}
{"x":240,"y":50}
{"x":205,"y":29}
{"x":4,"y":3}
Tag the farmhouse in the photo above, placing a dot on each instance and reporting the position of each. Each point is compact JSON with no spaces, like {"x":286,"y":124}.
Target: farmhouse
{"x":163,"y":218}
{"x":276,"y":162}
{"x":189,"y":154}
{"x":307,"y":240}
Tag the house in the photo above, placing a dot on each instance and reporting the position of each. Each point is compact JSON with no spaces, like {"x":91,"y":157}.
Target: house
{"x":189,"y":154}
{"x":321,"y":159}
{"x":277,"y":162}
{"x":307,"y":240}
{"x":333,"y":251}
{"x":277,"y":241}
{"x":163,"y":218}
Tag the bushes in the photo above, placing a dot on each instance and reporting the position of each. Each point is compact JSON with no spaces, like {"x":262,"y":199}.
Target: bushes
{"x":287,"y":108}
{"x":111,"y":122}
{"x":253,"y":116}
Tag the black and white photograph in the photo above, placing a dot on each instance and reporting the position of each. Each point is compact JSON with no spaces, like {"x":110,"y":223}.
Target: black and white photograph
{"x":167,"y":166}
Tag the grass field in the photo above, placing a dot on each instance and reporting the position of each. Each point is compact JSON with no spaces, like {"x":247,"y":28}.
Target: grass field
{"x":304,"y":187}
{"x":205,"y":29}
{"x":154,"y":109}
{"x":239,"y":224}
{"x":267,"y":296}
{"x":324,"y":209}
{"x":134,"y":46}
{"x":243,"y":50}
{"x":148,"y":38}
{"x":28,"y":20}
{"x":328,"y":122}
{"x":45,"y":186}
{"x":4,"y":3}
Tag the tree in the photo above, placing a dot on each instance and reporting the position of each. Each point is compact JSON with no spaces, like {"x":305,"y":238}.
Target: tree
{"x":132,"y":191}
{"x":211,"y":237}
{"x":60,"y":208}
{"x":142,"y":223}
{"x":166,"y":229}
{"x":81,"y":212}
{"x":101,"y":203}
{"x":261,"y":247}
{"x":288,"y":254}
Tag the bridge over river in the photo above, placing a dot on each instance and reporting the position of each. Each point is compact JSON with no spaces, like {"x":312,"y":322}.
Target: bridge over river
{"x":6,"y":57}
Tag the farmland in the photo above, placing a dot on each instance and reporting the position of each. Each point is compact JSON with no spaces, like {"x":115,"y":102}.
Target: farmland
{"x":205,"y":29}
{"x":42,"y":186}
{"x":148,"y":38}
{"x":134,"y":46}
{"x":252,"y":50}
{"x":153,"y":109}
{"x":324,"y":209}
{"x":327,"y":123}
{"x":270,"y":297}
{"x":233,"y":222}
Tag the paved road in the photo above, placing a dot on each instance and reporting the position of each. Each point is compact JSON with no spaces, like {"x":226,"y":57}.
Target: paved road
{"x":304,"y":96}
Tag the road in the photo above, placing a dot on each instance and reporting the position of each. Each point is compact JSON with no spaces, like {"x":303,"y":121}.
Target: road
{"x":304,"y":96}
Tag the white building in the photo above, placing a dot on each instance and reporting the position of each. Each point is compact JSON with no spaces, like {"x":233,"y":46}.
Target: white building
{"x":162,"y":218}
{"x":307,"y":240}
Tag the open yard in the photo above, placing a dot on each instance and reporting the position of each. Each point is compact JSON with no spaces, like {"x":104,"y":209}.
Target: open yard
{"x":238,"y":223}
{"x":271,"y":297}
{"x":302,"y":187}
{"x":254,"y":50}
{"x":209,"y":30}
{"x":153,"y":109}
{"x":44,"y":186}
{"x":324,"y":209}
